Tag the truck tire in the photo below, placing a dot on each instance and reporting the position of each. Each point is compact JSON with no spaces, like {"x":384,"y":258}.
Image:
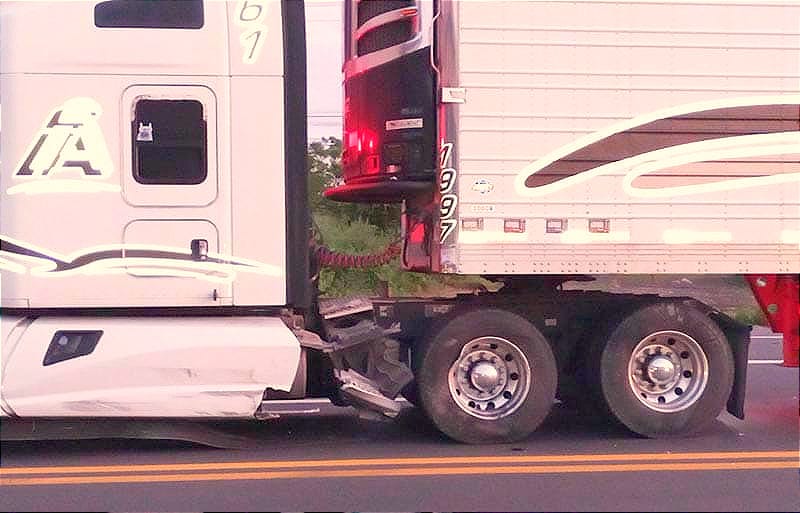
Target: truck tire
{"x":664,"y":370}
{"x":486,"y":376}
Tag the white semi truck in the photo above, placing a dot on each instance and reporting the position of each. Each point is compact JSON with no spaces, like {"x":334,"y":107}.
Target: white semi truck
{"x":154,"y":223}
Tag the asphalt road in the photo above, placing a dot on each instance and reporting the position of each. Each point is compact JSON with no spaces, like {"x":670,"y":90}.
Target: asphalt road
{"x":335,"y":461}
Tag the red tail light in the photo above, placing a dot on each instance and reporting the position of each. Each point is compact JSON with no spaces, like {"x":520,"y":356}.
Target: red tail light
{"x":367,"y":139}
{"x":362,"y":142}
{"x":372,"y":165}
{"x":417,"y":234}
{"x":418,"y":230}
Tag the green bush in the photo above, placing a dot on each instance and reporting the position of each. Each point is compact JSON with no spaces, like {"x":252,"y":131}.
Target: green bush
{"x":751,"y":315}
{"x":361,"y":229}
{"x":359,"y":237}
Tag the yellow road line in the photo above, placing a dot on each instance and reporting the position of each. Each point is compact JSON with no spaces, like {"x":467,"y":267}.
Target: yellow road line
{"x":402,"y":472}
{"x":379,"y":462}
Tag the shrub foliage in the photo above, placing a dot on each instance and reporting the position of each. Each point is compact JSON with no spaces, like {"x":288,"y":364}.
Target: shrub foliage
{"x":360,"y":229}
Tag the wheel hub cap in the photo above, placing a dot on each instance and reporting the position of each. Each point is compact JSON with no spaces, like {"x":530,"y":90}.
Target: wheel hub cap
{"x":484,"y":376}
{"x":661,"y":370}
{"x":490,"y":379}
{"x":668,"y":371}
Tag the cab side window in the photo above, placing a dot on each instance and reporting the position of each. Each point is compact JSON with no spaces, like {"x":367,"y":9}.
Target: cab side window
{"x":163,"y":14}
{"x":169,"y":142}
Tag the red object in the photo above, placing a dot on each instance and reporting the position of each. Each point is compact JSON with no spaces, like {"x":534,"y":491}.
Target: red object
{"x":372,"y":165}
{"x":778,"y":295}
{"x":367,"y":142}
{"x":417,"y":234}
{"x":416,"y":250}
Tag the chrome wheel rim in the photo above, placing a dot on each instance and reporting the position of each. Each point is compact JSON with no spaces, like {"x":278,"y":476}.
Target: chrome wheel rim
{"x":668,"y":371}
{"x":490,"y":379}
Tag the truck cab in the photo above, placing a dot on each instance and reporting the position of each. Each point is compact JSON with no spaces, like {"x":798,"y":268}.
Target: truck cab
{"x":145,"y":145}
{"x":153,"y":216}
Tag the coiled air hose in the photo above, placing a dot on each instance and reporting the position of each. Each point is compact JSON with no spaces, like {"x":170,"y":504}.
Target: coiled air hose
{"x":330,"y":258}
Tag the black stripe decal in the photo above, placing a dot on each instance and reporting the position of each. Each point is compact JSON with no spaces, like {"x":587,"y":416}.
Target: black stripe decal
{"x":98,"y":256}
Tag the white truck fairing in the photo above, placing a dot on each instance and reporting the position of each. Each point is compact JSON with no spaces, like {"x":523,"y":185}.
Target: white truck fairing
{"x":157,"y":367}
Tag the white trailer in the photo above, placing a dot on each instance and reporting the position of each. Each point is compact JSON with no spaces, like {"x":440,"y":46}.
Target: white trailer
{"x":154,"y":223}
{"x":533,"y":141}
{"x":595,"y":136}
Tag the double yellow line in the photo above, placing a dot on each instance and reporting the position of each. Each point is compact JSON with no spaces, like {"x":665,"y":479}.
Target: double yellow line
{"x":399,"y":467}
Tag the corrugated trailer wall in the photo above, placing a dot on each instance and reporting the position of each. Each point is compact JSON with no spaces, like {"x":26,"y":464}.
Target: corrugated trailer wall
{"x":628,"y":137}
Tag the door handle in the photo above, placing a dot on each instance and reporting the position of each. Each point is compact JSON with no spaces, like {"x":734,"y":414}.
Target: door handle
{"x":199,"y":249}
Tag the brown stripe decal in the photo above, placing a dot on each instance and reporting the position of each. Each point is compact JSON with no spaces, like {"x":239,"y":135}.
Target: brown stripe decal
{"x":674,"y":131}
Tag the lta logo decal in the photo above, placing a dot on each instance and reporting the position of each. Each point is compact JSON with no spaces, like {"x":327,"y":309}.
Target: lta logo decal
{"x":69,"y":154}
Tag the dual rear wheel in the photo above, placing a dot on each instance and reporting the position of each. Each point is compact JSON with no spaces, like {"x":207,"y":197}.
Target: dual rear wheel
{"x":489,"y":376}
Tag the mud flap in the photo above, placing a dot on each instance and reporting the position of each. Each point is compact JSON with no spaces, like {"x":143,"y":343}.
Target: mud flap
{"x":738,"y":336}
